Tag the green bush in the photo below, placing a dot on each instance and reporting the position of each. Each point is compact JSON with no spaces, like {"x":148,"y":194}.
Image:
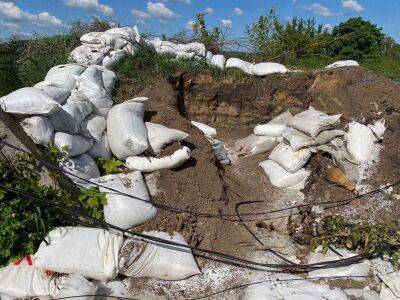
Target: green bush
{"x":357,"y":39}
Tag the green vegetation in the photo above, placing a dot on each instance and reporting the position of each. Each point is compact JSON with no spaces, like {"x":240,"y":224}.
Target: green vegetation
{"x":112,"y":166}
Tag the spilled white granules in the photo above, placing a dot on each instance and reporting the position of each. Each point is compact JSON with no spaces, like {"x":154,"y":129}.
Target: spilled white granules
{"x":366,"y":170}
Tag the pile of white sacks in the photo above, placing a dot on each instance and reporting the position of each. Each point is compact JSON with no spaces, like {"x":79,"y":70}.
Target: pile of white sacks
{"x":293,"y":140}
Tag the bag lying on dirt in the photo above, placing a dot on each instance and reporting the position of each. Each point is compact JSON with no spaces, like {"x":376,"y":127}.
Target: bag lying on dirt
{"x":299,"y":140}
{"x":283,"y":118}
{"x":39,"y":129}
{"x":123,"y":211}
{"x":93,"y":127}
{"x":255,"y":144}
{"x":152,"y":164}
{"x":291,"y":161}
{"x":208,"y":131}
{"x":157,"y":260}
{"x":312,"y":122}
{"x":240,"y":64}
{"x":219,"y":61}
{"x":76,"y":286}
{"x":126,"y":130}
{"x":356,"y":269}
{"x":73,"y":145}
{"x":281,"y":178}
{"x":160,"y":136}
{"x":271,"y":130}
{"x":267,"y":68}
{"x":23,"y":280}
{"x":101,"y":148}
{"x":360,"y":142}
{"x":343,"y":63}
{"x":90,"y":252}
{"x":64,"y":75}
{"x":378,"y":129}
{"x":220,"y":152}
{"x":83,"y":167}
{"x":54,"y":91}
{"x":69,"y":118}
{"x":29,"y":101}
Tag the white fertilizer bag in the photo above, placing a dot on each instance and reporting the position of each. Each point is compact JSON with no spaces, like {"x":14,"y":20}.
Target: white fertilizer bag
{"x":76,"y":286}
{"x":23,"y":280}
{"x":283,"y":118}
{"x":161,"y":136}
{"x":291,"y":161}
{"x":54,"y":91}
{"x":96,"y":94}
{"x":271,"y":130}
{"x":343,"y":63}
{"x":101,"y":148}
{"x":126,"y":130}
{"x":124,"y":211}
{"x":208,"y":131}
{"x":93,"y":127}
{"x":360,"y":142}
{"x":39,"y":129}
{"x":64,"y":75}
{"x":255,"y":144}
{"x":240,"y":64}
{"x":267,"y":68}
{"x":94,"y":74}
{"x":152,"y":164}
{"x":73,"y":145}
{"x":219,"y":61}
{"x":281,"y":178}
{"x":90,"y":252}
{"x":29,"y":101}
{"x":83,"y":167}
{"x":299,"y":140}
{"x":312,"y":121}
{"x":157,"y":260}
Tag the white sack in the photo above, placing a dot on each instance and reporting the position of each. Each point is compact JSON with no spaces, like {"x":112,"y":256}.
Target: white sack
{"x":83,"y":167}
{"x":197,"y":48}
{"x":220,"y":152}
{"x":312,"y":121}
{"x":208,"y":131}
{"x":128,"y":33}
{"x":291,"y":161}
{"x":101,"y":148}
{"x":209,"y":56}
{"x":255,"y":144}
{"x":54,"y":91}
{"x":283,"y":118}
{"x":160,"y":136}
{"x":239,"y":64}
{"x":152,"y":164}
{"x":73,"y":145}
{"x":86,"y":56}
{"x":126,"y":130}
{"x":343,"y":63}
{"x":281,"y":178}
{"x":104,"y":39}
{"x":271,"y":130}
{"x":378,"y":129}
{"x":157,"y":260}
{"x":96,"y":94}
{"x":299,"y":140}
{"x":76,"y":285}
{"x":357,"y":269}
{"x":185,"y":55}
{"x":113,"y":58}
{"x":29,"y":101}
{"x":124,"y":211}
{"x":24,"y":281}
{"x":390,"y":287}
{"x":93,"y":127}
{"x":109,"y":78}
{"x":267,"y":68}
{"x":90,"y":252}
{"x":94,"y":74}
{"x":39,"y":129}
{"x":219,"y":61}
{"x":360,"y":142}
{"x":64,"y":75}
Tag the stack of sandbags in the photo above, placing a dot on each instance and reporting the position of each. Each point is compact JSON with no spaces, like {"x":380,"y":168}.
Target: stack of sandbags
{"x":185,"y":51}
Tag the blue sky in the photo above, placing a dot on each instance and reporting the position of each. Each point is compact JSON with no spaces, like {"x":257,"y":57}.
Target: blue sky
{"x":168,"y":16}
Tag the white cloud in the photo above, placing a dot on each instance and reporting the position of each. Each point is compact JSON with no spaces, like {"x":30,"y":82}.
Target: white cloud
{"x":321,"y":10}
{"x":12,"y":12}
{"x":140,"y":14}
{"x":352,"y":5}
{"x":90,"y":5}
{"x":181,"y":1}
{"x":190,"y":25}
{"x":10,"y":26}
{"x":160,"y":11}
{"x":227,"y":23}
{"x":238,"y":11}
{"x":328,"y":27}
{"x":209,"y":10}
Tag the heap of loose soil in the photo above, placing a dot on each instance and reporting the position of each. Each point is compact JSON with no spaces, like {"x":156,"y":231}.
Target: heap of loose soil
{"x":234,"y":106}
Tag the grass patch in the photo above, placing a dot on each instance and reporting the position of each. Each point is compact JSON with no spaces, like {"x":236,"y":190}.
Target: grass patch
{"x":388,"y":66}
